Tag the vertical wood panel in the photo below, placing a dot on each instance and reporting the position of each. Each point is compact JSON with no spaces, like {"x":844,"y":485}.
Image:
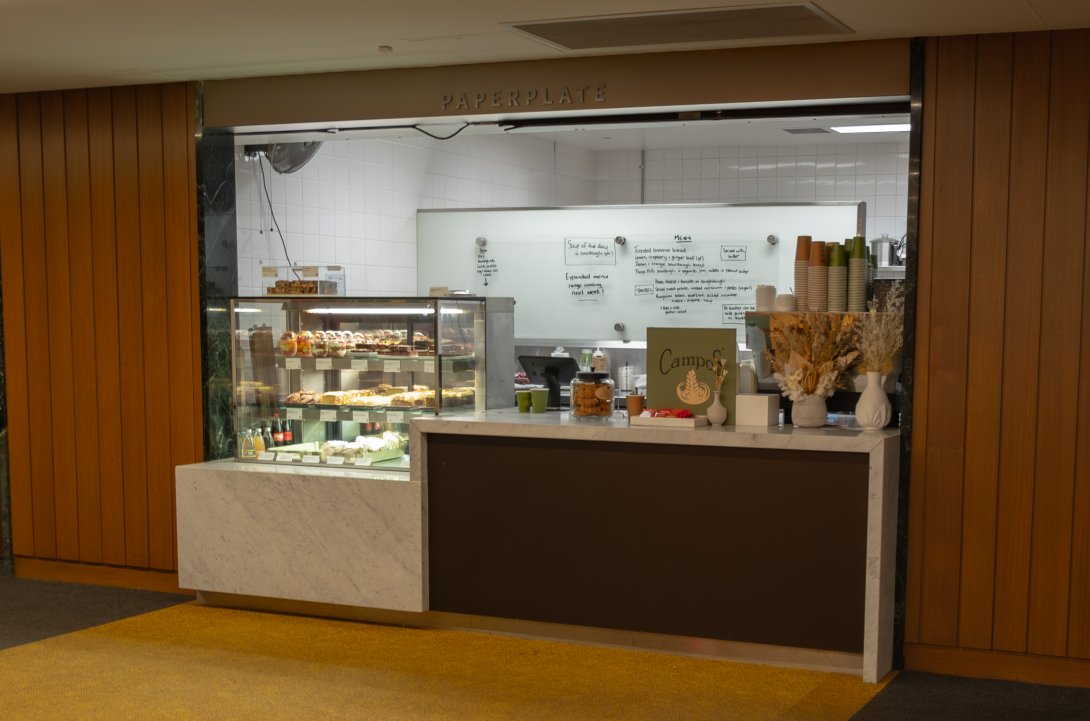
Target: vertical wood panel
{"x":32,"y":211}
{"x":131,"y":352}
{"x":62,"y":398}
{"x":1061,"y":313}
{"x":948,"y":350}
{"x":157,"y":360}
{"x":988,"y":258}
{"x":15,"y":360}
{"x":1078,"y":635}
{"x":106,"y":345}
{"x":918,"y":481}
{"x":180,"y":258}
{"x":1022,"y":326}
{"x":85,"y":392}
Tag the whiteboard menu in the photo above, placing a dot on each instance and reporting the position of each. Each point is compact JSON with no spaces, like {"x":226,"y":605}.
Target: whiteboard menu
{"x":579,"y":273}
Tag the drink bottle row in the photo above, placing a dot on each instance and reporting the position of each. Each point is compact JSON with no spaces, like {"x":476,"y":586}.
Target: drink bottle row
{"x":265,"y":436}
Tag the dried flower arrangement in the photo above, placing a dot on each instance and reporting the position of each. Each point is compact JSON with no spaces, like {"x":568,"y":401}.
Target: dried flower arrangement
{"x":812,"y":353}
{"x":880,"y":331}
{"x":720,"y":369}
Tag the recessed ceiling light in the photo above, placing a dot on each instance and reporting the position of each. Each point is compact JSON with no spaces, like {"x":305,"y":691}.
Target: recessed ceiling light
{"x":897,"y":128}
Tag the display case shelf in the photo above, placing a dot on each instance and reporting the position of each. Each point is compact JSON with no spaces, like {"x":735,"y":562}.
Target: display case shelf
{"x":380,"y":363}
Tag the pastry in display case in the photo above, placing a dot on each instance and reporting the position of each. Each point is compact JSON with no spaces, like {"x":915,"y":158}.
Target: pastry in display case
{"x":337,"y":381}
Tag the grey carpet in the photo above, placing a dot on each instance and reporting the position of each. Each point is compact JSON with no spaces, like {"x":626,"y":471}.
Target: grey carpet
{"x":35,"y":610}
{"x":929,"y":697}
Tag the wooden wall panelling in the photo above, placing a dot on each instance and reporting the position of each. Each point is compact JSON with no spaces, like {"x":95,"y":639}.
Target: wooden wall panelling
{"x":181,"y":255}
{"x":1061,"y":314}
{"x":106,"y":344}
{"x":988,"y":257}
{"x":924,"y":255}
{"x":1078,"y":634}
{"x":946,"y":364}
{"x":1022,"y":326}
{"x":157,"y":361}
{"x":37,"y":324}
{"x":130,"y":355}
{"x":84,"y":367}
{"x":15,"y":369}
{"x":59,"y":323}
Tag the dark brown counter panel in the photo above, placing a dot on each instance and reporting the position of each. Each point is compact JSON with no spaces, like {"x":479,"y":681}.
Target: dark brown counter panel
{"x":738,"y":544}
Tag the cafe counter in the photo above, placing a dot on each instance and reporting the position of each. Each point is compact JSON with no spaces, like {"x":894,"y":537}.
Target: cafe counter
{"x":768,"y":544}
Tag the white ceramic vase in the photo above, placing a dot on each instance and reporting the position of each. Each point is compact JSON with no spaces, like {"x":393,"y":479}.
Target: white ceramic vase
{"x":717,"y":412}
{"x":873,"y":410}
{"x":808,"y":412}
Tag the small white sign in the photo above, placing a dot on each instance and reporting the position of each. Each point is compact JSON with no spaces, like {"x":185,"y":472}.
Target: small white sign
{"x":391,"y":366}
{"x":335,"y":460}
{"x":312,"y":459}
{"x":360,"y":364}
{"x":266,"y":456}
{"x":363,"y":461}
{"x":361,"y":416}
{"x":285,"y":457}
{"x":395,"y":417}
{"x":295,"y":414}
{"x":327,"y":416}
{"x":293,"y":364}
{"x":429,"y":366}
{"x":323,"y":364}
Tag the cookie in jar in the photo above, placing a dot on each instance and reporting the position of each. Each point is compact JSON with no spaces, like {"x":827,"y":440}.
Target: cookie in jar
{"x":591,"y":395}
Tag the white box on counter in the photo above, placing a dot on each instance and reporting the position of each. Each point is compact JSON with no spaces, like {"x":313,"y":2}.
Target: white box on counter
{"x":757,"y":409}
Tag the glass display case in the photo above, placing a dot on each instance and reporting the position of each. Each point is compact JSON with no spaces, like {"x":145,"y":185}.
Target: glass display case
{"x":335,"y":381}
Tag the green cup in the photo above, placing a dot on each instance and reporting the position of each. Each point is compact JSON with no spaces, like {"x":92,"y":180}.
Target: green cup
{"x":522,"y":400}
{"x":539,"y":399}
{"x":836,"y":256}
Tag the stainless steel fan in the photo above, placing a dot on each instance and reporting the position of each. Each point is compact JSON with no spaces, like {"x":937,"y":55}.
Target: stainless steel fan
{"x":288,"y":157}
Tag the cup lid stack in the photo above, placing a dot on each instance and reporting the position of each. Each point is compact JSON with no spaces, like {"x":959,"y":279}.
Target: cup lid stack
{"x":802,"y":272}
{"x":857,"y":275}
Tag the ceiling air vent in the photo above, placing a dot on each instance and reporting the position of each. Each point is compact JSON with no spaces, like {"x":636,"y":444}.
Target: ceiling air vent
{"x":690,"y":26}
{"x":805,"y":131}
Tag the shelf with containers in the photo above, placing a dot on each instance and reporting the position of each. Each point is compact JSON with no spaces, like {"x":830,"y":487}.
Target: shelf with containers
{"x":336,"y":381}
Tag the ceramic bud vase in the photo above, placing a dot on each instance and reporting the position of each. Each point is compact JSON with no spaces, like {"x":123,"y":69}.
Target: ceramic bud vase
{"x":808,"y":412}
{"x":717,"y":412}
{"x":873,"y":410}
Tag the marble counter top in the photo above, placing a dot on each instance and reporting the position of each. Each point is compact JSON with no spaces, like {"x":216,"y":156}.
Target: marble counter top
{"x":560,"y":425}
{"x":299,"y":469}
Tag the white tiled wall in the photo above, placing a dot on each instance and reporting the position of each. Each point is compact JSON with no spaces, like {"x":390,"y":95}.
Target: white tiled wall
{"x":355,"y":203}
{"x":876,"y":173}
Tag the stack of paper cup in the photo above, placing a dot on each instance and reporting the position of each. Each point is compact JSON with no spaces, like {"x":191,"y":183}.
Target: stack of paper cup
{"x":766,"y":296}
{"x":802,"y":272}
{"x":857,"y":277}
{"x":838,"y":278}
{"x":817,"y":280}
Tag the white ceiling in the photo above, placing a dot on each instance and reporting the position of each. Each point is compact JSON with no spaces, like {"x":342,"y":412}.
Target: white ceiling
{"x":54,"y":44}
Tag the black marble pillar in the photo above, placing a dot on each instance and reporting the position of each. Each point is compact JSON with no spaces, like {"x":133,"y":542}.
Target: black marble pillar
{"x":217,"y":244}
{"x":908,"y":374}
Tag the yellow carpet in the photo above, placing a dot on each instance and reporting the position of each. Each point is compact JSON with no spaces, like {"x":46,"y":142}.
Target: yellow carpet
{"x":197,"y":662}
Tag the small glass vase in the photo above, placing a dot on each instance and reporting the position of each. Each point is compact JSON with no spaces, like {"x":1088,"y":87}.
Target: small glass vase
{"x":809,"y":412}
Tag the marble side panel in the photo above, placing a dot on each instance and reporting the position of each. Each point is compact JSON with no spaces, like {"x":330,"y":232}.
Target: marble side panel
{"x":326,"y":536}
{"x":881,"y":560}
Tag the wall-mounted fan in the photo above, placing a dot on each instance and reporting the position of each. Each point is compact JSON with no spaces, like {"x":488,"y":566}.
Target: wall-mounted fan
{"x":287,"y":157}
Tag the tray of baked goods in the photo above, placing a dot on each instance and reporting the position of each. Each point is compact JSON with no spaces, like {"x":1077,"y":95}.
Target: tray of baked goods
{"x":383,"y":402}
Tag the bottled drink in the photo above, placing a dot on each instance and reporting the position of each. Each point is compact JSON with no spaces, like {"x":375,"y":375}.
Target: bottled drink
{"x":289,"y":436}
{"x":267,"y":435}
{"x":246,"y":444}
{"x":277,"y":430}
{"x":259,"y":438}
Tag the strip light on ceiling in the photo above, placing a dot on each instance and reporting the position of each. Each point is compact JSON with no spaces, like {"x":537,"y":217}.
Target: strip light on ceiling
{"x":895,"y":128}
